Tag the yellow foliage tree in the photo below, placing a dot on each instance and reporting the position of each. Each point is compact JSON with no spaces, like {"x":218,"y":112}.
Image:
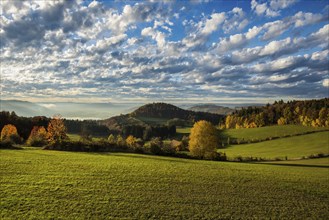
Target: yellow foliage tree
{"x":56,"y":130}
{"x":203,"y":139}
{"x":282,"y":121}
{"x":8,"y":131}
{"x":131,"y":141}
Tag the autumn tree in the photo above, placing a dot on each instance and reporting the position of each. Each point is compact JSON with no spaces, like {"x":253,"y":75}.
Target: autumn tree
{"x":56,"y":130}
{"x":131,"y":141}
{"x":38,"y":136}
{"x":9,"y":133}
{"x":282,"y":121}
{"x":111,"y":139}
{"x":203,"y":139}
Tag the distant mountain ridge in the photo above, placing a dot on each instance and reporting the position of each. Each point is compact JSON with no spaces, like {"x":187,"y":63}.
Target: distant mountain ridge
{"x":212,"y":108}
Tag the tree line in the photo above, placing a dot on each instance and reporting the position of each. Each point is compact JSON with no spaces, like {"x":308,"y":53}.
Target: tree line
{"x":308,"y":113}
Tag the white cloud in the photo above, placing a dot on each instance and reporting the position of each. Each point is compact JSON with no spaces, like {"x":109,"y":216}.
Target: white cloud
{"x":158,"y":36}
{"x":232,"y":42}
{"x":253,"y":32}
{"x":272,"y":9}
{"x":276,"y":78}
{"x":275,"y":46}
{"x":263,"y":9}
{"x":213,"y":23}
{"x":325,"y":82}
{"x":235,"y":20}
{"x":281,"y":4}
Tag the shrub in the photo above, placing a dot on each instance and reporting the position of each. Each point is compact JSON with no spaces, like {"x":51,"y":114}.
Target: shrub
{"x":168,"y":149}
{"x":155,"y":146}
{"x":6,"y":144}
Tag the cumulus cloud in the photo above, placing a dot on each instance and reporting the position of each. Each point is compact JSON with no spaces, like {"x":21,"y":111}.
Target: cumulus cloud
{"x":158,"y":36}
{"x":212,"y":24}
{"x":325,"y":82}
{"x":272,"y":8}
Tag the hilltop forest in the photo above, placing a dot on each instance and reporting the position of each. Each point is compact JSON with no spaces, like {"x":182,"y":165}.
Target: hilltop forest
{"x":313,"y":113}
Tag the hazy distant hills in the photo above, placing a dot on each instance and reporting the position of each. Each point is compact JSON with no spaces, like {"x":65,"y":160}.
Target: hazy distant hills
{"x":66,"y":109}
{"x":73,"y":110}
{"x":23,"y":108}
{"x":211,"y":108}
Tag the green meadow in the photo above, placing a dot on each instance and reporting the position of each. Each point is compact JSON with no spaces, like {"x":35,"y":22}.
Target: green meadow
{"x":267,"y":132}
{"x":39,"y":184}
{"x":292,"y":147}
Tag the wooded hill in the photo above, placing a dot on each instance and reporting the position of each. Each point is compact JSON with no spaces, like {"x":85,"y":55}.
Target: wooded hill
{"x":156,"y":120}
{"x":308,"y":113}
{"x":159,"y":113}
{"x":168,"y":111}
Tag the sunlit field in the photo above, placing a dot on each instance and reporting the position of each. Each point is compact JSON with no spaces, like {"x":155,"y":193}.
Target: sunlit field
{"x":291,"y":147}
{"x":50,"y":184}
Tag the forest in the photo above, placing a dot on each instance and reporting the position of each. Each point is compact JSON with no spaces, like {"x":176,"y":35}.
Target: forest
{"x":313,"y":113}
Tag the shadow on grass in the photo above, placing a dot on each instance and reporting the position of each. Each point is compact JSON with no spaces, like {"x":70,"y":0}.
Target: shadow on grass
{"x":295,"y":165}
{"x":154,"y":157}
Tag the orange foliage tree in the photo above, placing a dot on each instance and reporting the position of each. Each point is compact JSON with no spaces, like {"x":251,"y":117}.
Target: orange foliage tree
{"x":56,"y":130}
{"x":9,"y":132}
{"x":38,"y":136}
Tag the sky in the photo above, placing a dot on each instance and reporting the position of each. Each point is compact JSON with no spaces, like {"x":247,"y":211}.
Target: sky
{"x":170,"y":51}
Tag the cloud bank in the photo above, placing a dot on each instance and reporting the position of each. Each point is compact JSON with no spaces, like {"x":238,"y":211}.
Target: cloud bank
{"x":153,"y":51}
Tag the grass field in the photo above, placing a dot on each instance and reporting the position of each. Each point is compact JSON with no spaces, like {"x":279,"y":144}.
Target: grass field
{"x":76,"y":137}
{"x":292,"y":147}
{"x":263,"y":133}
{"x":37,"y":184}
{"x":183,"y":130}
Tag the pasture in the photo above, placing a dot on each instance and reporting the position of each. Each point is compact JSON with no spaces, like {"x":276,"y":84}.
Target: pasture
{"x":268,"y":132}
{"x":292,"y":147}
{"x":38,"y":184}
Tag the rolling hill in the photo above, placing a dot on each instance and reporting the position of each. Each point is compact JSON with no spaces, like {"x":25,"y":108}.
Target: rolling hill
{"x":158,"y":114}
{"x":168,"y":111}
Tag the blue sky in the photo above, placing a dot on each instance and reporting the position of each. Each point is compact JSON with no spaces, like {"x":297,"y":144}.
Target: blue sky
{"x":172,"y":51}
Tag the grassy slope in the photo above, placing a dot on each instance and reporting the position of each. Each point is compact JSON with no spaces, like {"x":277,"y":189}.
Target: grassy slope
{"x":293,"y":147}
{"x":269,"y":131}
{"x":49,"y":184}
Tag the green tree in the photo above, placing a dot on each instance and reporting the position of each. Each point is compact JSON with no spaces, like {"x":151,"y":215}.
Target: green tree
{"x":111,"y":139}
{"x":203,"y":139}
{"x":120,"y":141}
{"x":260,"y":119}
